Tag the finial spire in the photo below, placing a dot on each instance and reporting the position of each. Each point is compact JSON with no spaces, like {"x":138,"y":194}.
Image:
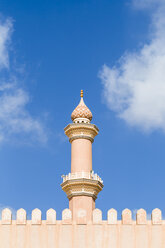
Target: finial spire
{"x":81,"y":94}
{"x":81,"y":111}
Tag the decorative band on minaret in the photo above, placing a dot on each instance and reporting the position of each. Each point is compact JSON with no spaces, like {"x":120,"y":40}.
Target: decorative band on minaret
{"x":81,"y":185}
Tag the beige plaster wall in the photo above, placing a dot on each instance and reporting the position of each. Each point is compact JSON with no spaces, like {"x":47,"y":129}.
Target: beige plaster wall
{"x":111,"y":233}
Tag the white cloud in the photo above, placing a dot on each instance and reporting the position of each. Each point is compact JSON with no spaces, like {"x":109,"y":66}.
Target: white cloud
{"x":15,"y":120}
{"x":5,"y":35}
{"x":135,"y":87}
{"x":147,"y":4}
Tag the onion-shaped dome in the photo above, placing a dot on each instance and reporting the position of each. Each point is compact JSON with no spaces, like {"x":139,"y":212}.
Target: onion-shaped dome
{"x":81,"y":112}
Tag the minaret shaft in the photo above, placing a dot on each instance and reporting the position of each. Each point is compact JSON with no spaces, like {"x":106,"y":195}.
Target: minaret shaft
{"x":85,"y":203}
{"x":81,"y":155}
{"x":81,"y":161}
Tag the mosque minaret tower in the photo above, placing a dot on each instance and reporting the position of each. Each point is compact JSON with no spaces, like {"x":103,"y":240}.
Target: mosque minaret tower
{"x":81,"y":185}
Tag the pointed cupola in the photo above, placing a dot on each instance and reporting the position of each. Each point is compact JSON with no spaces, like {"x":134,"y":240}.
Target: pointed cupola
{"x":81,"y":113}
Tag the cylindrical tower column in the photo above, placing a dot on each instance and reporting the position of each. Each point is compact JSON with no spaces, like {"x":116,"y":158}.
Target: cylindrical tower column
{"x":81,"y":185}
{"x":81,"y":155}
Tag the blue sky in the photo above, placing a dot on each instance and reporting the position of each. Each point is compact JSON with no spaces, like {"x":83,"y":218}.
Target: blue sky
{"x":114,"y":51}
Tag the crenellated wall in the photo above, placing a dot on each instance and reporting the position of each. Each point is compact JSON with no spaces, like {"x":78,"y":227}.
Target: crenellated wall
{"x":110,"y":233}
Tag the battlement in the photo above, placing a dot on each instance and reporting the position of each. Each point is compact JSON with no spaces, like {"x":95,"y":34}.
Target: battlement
{"x":110,"y":233}
{"x":126,"y":217}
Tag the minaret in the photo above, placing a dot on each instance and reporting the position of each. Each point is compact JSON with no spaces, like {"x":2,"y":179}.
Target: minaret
{"x":81,"y":185}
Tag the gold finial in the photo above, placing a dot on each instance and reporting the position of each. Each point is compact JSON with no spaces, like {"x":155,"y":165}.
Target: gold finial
{"x":81,"y":94}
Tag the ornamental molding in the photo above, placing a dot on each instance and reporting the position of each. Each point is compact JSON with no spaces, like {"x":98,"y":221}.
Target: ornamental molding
{"x":82,"y":186}
{"x":81,"y":131}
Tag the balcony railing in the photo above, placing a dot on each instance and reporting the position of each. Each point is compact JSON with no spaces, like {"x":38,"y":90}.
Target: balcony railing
{"x":86,"y":175}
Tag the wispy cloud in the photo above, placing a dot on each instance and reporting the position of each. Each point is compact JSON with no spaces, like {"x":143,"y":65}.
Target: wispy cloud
{"x":5,"y":37}
{"x":135,"y":87}
{"x":15,"y":120}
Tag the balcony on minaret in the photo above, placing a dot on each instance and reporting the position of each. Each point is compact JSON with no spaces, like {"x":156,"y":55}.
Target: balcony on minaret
{"x":82,"y":174}
{"x":82,"y":183}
